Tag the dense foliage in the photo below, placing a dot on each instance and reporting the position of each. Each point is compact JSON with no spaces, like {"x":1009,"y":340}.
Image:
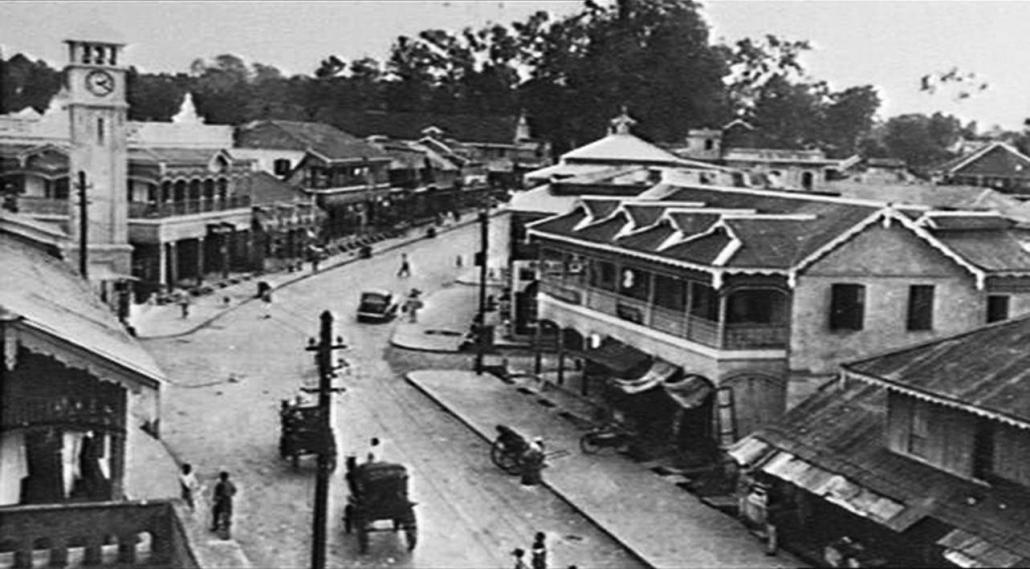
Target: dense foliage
{"x":571,"y":75}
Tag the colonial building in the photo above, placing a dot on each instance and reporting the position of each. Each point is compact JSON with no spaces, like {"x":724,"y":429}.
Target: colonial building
{"x":347,"y":177}
{"x":807,"y":170}
{"x":917,"y":457}
{"x":503,"y":146}
{"x":286,"y":223}
{"x":617,"y":165}
{"x":756,"y":292}
{"x":997,"y":165}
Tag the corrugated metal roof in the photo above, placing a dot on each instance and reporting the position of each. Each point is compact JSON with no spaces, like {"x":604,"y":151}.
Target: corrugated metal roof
{"x":987,"y":368}
{"x":47,"y":294}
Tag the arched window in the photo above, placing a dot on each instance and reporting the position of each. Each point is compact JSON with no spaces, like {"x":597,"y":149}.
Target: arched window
{"x":180,"y":191}
{"x":209,"y":189}
{"x":194,"y":190}
{"x":223,"y":189}
{"x":166,"y":191}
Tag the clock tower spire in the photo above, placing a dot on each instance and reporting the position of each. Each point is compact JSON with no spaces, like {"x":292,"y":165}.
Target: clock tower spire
{"x":97,"y":113}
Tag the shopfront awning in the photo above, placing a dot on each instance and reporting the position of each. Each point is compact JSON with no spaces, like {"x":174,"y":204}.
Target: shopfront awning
{"x":689,"y":391}
{"x":968,"y":550}
{"x":659,"y":372}
{"x":623,"y":360}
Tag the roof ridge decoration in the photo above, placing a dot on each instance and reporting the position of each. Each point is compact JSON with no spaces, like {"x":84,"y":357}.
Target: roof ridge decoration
{"x":731,"y":248}
{"x":887,"y":215}
{"x":926,"y":220}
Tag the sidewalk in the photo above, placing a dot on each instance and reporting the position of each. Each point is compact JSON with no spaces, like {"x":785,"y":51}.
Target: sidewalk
{"x":165,"y":320}
{"x":661,"y":523}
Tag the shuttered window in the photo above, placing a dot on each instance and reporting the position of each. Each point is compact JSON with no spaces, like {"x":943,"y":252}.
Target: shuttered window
{"x":847,"y":306}
{"x":920,"y":307}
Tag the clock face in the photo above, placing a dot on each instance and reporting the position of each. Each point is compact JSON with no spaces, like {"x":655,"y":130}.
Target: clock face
{"x":100,"y":83}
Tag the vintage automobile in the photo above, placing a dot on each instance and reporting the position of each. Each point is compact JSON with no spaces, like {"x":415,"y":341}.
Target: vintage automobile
{"x":377,"y":305}
{"x":302,"y":432}
{"x":378,"y":493}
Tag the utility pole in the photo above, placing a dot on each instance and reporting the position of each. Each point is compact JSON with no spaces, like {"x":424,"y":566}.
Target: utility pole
{"x":327,"y":455}
{"x":484,"y":236}
{"x":83,"y":227}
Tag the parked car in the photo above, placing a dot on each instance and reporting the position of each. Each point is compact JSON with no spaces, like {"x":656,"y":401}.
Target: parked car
{"x":377,"y":305}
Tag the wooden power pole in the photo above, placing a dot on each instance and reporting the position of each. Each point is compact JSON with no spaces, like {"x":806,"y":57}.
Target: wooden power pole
{"x":327,"y":455}
{"x":484,"y":236}
{"x":83,"y":227}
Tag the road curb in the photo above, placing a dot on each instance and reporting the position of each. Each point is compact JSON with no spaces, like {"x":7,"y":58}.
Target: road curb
{"x":205,"y":323}
{"x":544,"y":482}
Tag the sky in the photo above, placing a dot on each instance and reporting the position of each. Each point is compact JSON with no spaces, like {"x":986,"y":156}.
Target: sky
{"x":888,"y":44}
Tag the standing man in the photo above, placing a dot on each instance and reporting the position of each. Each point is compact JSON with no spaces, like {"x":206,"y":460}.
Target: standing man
{"x":539,"y":551}
{"x":413,"y":304}
{"x":189,"y":485}
{"x":184,"y":303}
{"x":222,"y":509}
{"x":405,"y":270}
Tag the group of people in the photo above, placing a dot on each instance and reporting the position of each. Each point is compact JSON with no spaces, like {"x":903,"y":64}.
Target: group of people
{"x":221,"y":497}
{"x":538,"y":554}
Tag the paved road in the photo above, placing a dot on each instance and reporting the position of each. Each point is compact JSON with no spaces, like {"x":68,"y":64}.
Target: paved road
{"x":221,"y":413}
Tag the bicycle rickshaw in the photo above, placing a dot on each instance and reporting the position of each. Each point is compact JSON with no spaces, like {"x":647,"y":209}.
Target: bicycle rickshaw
{"x":378,"y":492}
{"x":303,"y":432}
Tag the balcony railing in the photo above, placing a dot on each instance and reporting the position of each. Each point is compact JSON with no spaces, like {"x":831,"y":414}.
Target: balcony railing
{"x":139,"y":210}
{"x":714,"y":334}
{"x":113,"y":534}
{"x":33,"y":205}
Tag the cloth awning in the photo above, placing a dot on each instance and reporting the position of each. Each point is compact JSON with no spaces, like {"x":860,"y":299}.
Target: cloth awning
{"x":689,"y":391}
{"x":623,"y":360}
{"x":659,"y":372}
{"x":968,"y":550}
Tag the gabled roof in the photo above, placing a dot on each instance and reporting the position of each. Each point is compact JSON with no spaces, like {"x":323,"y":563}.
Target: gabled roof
{"x":1014,"y":160}
{"x":329,"y":142}
{"x":984,"y":371}
{"x":51,"y":299}
{"x":490,"y":129}
{"x":177,"y":156}
{"x":266,"y":189}
{"x":625,"y":147}
{"x":832,"y":445}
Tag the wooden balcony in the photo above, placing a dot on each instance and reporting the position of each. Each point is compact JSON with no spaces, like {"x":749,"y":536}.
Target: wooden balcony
{"x":139,"y":210}
{"x":32,"y":205}
{"x":99,"y":534}
{"x":714,"y":334}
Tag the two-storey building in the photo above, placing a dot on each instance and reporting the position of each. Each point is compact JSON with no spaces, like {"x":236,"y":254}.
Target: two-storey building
{"x":756,"y":293}
{"x":916,"y":457}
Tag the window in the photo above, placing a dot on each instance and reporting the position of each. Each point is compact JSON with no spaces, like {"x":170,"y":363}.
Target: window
{"x":670,"y":292}
{"x":997,"y":308}
{"x":704,"y":302}
{"x":847,"y":306}
{"x":920,"y":307}
{"x":919,"y":429}
{"x":755,"y":306}
{"x":281,"y":166}
{"x":602,"y":275}
{"x":100,"y":131}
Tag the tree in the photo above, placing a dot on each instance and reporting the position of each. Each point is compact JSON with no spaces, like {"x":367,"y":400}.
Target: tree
{"x":920,"y":140}
{"x":221,"y":89}
{"x":26,"y":83}
{"x":848,"y":118}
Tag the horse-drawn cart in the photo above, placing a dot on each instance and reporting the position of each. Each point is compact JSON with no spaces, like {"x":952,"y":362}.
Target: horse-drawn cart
{"x":378,"y":492}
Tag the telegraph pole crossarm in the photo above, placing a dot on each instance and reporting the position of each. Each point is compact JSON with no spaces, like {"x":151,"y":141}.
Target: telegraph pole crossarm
{"x":327,"y":455}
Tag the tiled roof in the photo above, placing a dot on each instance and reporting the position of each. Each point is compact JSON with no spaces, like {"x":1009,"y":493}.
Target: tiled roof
{"x":493,"y":129}
{"x":604,"y":231}
{"x":326,"y":140}
{"x":45,"y":292}
{"x":627,"y":148}
{"x":600,"y":208}
{"x":987,"y":368}
{"x":649,"y":239}
{"x":841,"y":432}
{"x":183,"y":156}
{"x":703,"y":250}
{"x":990,"y":250}
{"x":644,"y":215}
{"x":267,"y":189}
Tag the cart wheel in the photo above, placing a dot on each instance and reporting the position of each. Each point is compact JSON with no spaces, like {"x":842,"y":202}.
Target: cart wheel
{"x":411,"y":533}
{"x":506,"y":461}
{"x":588,"y":444}
{"x":362,"y":539}
{"x":348,"y":519}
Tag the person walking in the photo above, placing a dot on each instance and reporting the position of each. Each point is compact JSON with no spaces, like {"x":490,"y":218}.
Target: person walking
{"x":184,"y":303}
{"x":539,"y":551}
{"x":533,"y":462}
{"x":222,"y":508}
{"x":188,"y":485}
{"x":405,"y":270}
{"x":413,"y":305}
{"x":518,"y":553}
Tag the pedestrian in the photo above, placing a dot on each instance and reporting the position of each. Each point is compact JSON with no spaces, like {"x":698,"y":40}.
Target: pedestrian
{"x":405,"y":270}
{"x":188,"y":484}
{"x":222,"y":508}
{"x":375,"y":450}
{"x":539,"y":551}
{"x":184,"y":303}
{"x":413,"y":305}
{"x":266,"y":300}
{"x":533,"y":462}
{"x":518,"y":553}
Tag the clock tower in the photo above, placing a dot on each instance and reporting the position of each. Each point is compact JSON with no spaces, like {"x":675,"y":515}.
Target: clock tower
{"x":98,"y":114}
